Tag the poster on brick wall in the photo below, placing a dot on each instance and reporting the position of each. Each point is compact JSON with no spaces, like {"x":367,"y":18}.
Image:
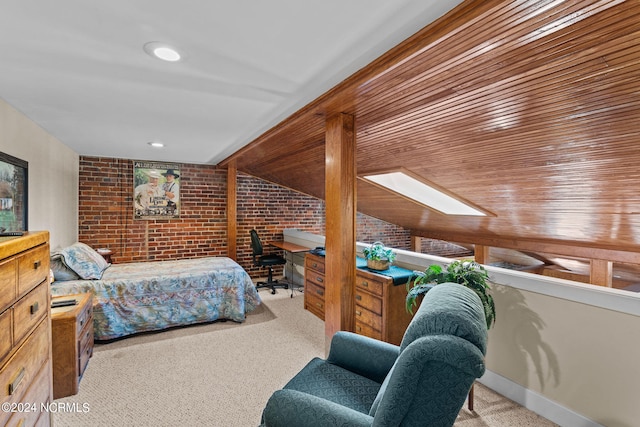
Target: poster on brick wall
{"x":156,"y":190}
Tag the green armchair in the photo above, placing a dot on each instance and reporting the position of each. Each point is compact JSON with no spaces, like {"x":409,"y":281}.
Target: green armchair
{"x":366,"y":382}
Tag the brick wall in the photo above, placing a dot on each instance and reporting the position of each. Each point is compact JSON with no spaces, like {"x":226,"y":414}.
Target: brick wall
{"x":270,"y":208}
{"x":370,"y":230}
{"x":106,"y":215}
{"x":444,"y":249}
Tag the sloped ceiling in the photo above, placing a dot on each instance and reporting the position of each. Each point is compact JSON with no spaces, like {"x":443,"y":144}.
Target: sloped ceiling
{"x":78,"y":69}
{"x":528,"y":109}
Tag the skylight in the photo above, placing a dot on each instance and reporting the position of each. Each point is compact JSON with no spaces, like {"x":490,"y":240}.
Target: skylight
{"x":423,"y":193}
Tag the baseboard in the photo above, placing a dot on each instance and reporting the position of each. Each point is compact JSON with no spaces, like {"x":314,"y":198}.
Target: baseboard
{"x":535,"y":402}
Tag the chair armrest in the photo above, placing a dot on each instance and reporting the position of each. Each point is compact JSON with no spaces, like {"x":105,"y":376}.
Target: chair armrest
{"x":286,"y":408}
{"x":365,"y":356}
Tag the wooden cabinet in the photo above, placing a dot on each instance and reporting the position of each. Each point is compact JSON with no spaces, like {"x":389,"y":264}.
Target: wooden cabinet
{"x":25,"y":330}
{"x":379,"y":310}
{"x":314,"y":284}
{"x":72,"y":334}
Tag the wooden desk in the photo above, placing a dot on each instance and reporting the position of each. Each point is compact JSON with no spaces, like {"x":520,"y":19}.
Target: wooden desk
{"x":293,"y":248}
{"x":288,"y":246}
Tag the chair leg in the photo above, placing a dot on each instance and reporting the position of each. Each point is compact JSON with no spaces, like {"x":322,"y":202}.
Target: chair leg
{"x":270,"y":283}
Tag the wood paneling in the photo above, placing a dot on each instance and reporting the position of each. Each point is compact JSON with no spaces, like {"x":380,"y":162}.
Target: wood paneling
{"x":528,"y":109}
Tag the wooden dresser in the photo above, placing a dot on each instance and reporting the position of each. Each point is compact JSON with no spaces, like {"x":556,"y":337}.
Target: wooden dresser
{"x":25,"y":330}
{"x":72,"y":334}
{"x":380,"y":305}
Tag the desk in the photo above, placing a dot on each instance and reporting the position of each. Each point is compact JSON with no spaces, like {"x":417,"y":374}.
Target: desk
{"x":289,"y":247}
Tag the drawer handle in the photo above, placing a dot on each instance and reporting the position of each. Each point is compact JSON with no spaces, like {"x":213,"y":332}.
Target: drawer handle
{"x":359,"y":328}
{"x":16,"y":383}
{"x":319,"y":292}
{"x":319,"y":304}
{"x":358,"y":313}
{"x":37,"y":264}
{"x":315,"y":265}
{"x":34,"y":307}
{"x":319,"y":279}
{"x":82,"y":322}
{"x":365,"y":284}
{"x":359,"y":297}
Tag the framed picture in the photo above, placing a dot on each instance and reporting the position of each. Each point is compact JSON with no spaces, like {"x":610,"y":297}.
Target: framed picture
{"x":156,"y":190}
{"x":13,"y":193}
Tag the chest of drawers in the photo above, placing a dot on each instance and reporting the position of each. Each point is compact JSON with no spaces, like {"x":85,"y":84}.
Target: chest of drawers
{"x":72,"y":334}
{"x":314,"y":284}
{"x":25,"y":330}
{"x":380,"y":305}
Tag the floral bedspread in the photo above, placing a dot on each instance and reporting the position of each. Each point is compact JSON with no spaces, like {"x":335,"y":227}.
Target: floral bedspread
{"x":149,"y":296}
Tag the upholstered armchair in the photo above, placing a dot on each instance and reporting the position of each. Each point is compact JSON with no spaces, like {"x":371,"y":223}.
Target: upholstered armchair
{"x":366,"y":382}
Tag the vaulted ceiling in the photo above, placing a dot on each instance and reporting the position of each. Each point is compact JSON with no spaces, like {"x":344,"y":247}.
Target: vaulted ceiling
{"x":81,"y":71}
{"x":527,"y":109}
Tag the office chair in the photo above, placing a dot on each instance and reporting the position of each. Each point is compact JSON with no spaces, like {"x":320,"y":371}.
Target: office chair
{"x":268,"y":260}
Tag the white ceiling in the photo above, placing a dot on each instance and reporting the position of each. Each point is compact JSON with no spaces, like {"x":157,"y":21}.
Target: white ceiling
{"x":78,"y":68}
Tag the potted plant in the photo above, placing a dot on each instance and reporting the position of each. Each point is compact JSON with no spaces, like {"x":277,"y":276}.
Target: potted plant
{"x":468,"y":273}
{"x":378,"y":256}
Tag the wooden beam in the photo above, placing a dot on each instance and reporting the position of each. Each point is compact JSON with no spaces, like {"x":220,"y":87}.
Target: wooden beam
{"x":232,"y":211}
{"x":556,"y":247}
{"x":340,"y":198}
{"x":601,"y":273}
{"x":481,"y":254}
{"x":416,"y":243}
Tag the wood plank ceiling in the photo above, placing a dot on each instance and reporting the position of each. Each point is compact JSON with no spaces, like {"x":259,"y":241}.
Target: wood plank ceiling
{"x":528,"y":109}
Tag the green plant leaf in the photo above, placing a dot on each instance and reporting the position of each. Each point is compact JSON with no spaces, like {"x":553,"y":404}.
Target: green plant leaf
{"x":377,"y":251}
{"x":414,"y":293}
{"x":467,"y":273}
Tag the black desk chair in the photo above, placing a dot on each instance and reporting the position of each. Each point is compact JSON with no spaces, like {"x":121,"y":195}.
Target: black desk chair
{"x":268,"y":260}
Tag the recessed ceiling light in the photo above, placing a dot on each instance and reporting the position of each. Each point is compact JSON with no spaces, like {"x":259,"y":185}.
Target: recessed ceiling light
{"x":423,"y":192}
{"x":156,"y":144}
{"x":162,"y":51}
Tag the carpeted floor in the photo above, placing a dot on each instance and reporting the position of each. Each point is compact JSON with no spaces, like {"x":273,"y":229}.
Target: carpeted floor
{"x":221,"y":374}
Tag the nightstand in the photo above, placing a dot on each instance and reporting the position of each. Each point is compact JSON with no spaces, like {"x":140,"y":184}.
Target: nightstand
{"x":106,"y":254}
{"x":72,"y":341}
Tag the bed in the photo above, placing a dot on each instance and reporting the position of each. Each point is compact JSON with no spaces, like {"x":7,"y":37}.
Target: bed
{"x":149,"y":296}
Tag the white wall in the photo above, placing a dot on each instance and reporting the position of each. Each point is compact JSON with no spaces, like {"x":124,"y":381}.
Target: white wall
{"x":53,"y":175}
{"x":568,"y":343}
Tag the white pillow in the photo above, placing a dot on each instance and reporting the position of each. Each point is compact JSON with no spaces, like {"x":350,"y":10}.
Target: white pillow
{"x":86,"y":262}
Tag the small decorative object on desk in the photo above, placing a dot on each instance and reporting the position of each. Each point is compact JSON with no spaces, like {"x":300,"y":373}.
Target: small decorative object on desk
{"x":378,"y":256}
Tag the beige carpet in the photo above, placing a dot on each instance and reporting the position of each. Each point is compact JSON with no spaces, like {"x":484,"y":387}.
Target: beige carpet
{"x":222,"y":374}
